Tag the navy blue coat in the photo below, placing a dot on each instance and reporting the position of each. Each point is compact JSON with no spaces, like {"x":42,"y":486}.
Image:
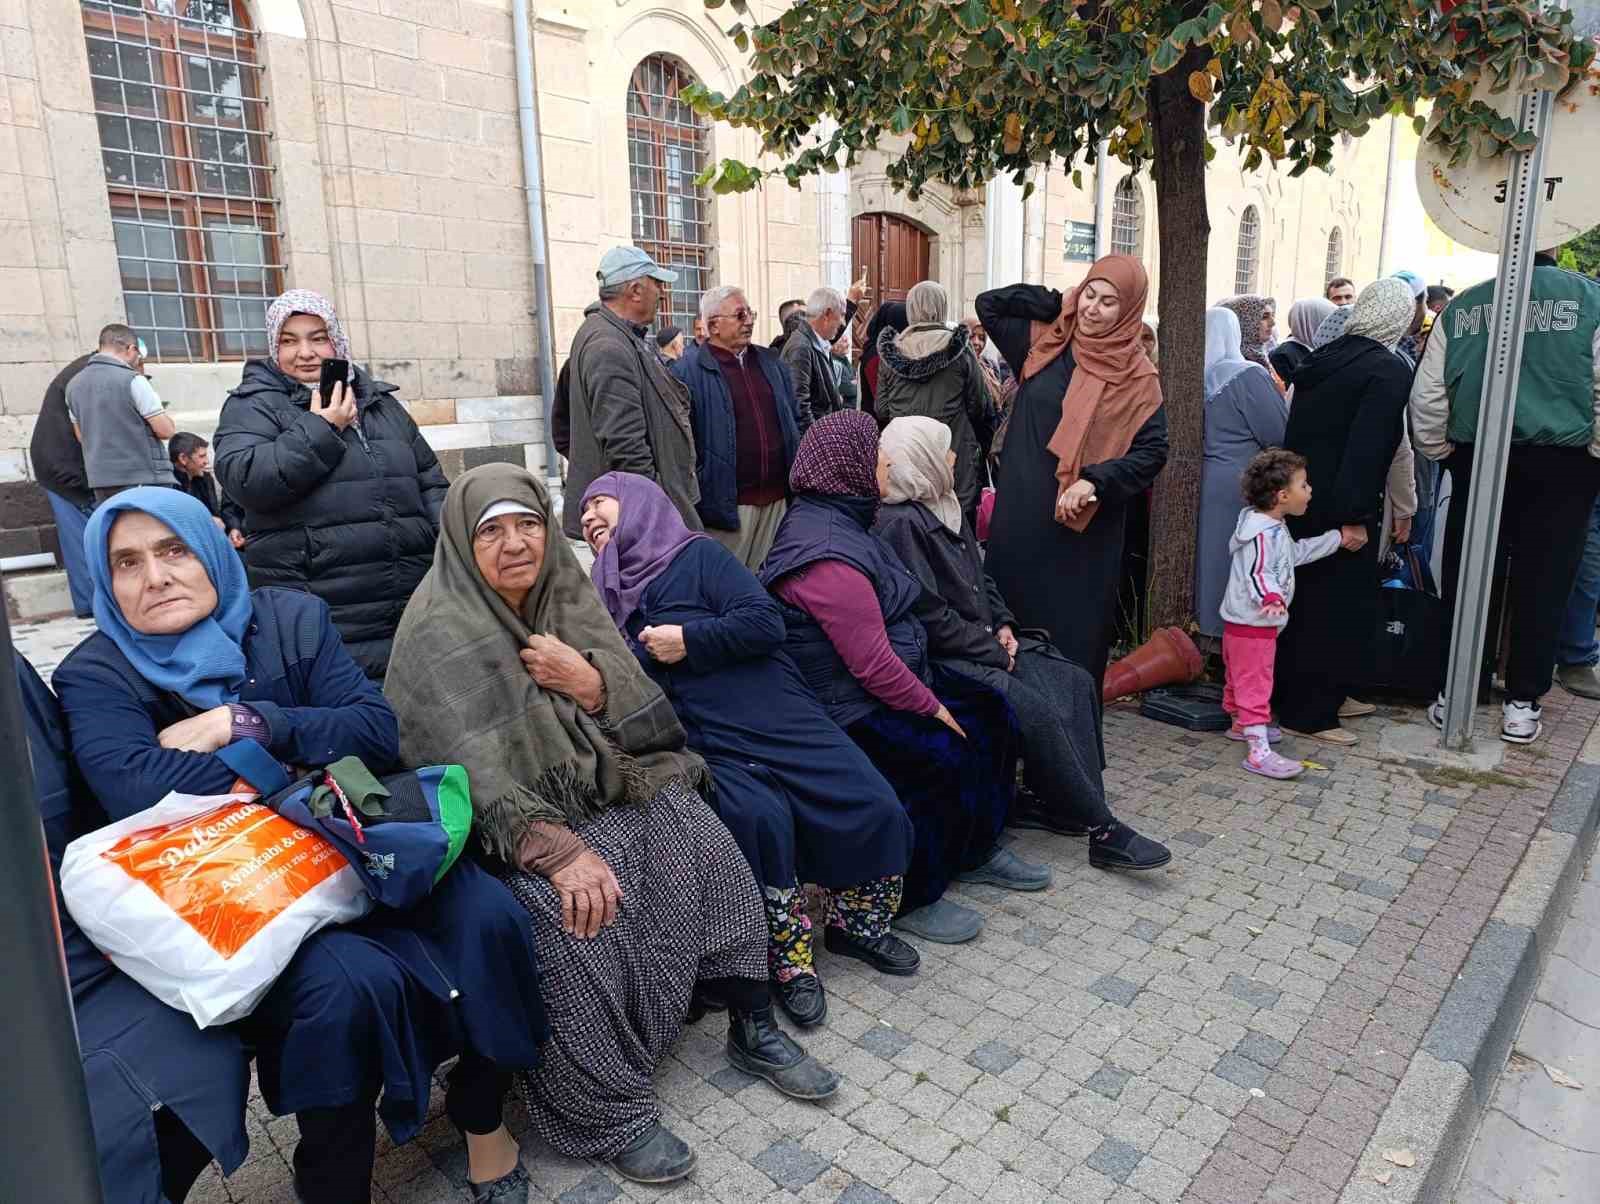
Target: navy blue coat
{"x":804,"y":803}
{"x":711,"y":412}
{"x":380,"y":1002}
{"x":138,"y":1053}
{"x":824,"y":528}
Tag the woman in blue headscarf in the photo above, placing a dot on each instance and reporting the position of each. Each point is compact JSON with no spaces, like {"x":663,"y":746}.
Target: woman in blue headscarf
{"x":192,"y":682}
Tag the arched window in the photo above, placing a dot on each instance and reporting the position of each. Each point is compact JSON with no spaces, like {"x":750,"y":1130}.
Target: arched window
{"x":668,"y":146}
{"x":1127,"y":219}
{"x":1335,"y":264}
{"x":183,"y":138}
{"x":1248,"y":259}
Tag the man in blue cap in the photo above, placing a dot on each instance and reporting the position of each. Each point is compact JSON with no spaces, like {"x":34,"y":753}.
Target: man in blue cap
{"x":626,"y":413}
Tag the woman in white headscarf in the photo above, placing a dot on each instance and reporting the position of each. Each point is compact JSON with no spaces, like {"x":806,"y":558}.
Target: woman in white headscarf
{"x":1305,"y":317}
{"x":970,"y":630}
{"x":1245,"y":414}
{"x":1347,"y":420}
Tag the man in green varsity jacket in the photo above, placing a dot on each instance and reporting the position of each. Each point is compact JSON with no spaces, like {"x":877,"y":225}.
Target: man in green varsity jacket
{"x":1553,"y":476}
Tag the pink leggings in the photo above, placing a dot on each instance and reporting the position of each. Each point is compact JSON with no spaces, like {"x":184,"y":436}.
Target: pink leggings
{"x":1247,"y":655}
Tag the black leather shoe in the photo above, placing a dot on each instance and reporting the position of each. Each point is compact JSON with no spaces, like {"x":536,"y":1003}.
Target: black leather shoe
{"x":659,"y":1156}
{"x":756,"y":1045}
{"x":1118,"y":847}
{"x":887,"y":954}
{"x":1029,"y":811}
{"x":803,"y":998}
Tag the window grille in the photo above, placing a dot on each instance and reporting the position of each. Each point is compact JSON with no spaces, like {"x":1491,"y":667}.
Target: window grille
{"x":1335,"y":264}
{"x":668,"y":146}
{"x":1244,"y":268}
{"x":1127,"y":219}
{"x":183,"y":139}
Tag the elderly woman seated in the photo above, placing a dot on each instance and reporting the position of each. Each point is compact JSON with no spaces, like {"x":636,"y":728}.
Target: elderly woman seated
{"x":945,"y":742}
{"x":187,"y":668}
{"x":803,"y":802}
{"x":970,"y":629}
{"x":507,"y":663}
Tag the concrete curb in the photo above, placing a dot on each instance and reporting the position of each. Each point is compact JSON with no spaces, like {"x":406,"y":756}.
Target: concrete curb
{"x":1451,"y":1078}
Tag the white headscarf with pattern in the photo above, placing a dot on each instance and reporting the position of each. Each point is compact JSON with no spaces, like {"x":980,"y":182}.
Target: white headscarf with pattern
{"x":304,"y":301}
{"x":1383,"y":312}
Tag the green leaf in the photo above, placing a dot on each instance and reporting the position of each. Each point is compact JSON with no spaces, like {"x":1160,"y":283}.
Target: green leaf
{"x":901,"y":121}
{"x":1166,"y":56}
{"x":1419,"y":123}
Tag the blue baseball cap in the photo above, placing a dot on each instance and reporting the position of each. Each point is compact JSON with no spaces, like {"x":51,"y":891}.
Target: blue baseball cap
{"x":622,"y":264}
{"x":1418,"y":287}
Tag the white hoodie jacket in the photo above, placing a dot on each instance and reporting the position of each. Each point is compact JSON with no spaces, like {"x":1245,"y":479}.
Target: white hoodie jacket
{"x":1264,"y":560}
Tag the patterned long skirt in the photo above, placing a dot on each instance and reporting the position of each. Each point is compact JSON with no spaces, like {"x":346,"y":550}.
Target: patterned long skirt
{"x":616,"y":1003}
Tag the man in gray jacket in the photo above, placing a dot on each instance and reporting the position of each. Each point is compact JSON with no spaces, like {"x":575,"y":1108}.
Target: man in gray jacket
{"x":627,"y":414}
{"x":119,"y":419}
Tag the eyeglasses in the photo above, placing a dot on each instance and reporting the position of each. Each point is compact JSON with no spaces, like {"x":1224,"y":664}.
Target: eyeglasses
{"x":740,"y":315}
{"x":494,"y":531}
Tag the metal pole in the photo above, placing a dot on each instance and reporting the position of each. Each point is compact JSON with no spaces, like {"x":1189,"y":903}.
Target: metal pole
{"x":46,"y":1140}
{"x":1502,"y":368}
{"x":533,"y":187}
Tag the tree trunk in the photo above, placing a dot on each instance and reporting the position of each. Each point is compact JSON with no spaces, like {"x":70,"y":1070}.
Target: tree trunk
{"x":1178,"y":120}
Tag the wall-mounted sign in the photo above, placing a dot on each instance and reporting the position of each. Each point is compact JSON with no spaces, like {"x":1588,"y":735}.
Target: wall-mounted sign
{"x":1080,"y":242}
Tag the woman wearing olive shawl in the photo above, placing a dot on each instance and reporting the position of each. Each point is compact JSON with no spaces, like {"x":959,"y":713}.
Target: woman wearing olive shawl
{"x":507,"y":664}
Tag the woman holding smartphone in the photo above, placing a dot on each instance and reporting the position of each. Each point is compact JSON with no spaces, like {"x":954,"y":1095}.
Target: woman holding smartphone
{"x":340,"y":491}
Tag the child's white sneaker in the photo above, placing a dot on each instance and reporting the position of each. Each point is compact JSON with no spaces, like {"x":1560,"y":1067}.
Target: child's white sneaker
{"x":1436,"y":712}
{"x":1520,"y":722}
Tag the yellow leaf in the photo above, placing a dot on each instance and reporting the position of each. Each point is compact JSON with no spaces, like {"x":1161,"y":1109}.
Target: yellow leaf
{"x":1239,"y":29}
{"x":1012,"y":141}
{"x":1271,"y":14}
{"x":1200,"y":86}
{"x":1215,"y":68}
{"x":1400,"y":1157}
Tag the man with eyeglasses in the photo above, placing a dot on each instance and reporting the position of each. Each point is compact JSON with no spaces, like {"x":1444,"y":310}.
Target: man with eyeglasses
{"x":746,"y":425}
{"x":625,"y":413}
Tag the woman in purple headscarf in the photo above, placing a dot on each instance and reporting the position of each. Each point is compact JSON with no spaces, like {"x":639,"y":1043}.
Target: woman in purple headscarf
{"x":802,"y":800}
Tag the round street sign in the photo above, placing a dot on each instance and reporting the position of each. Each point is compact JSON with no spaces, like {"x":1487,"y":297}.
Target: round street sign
{"x":1467,"y":201}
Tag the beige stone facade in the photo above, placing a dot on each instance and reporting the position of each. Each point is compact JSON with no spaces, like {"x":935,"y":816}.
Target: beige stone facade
{"x":397,"y":178}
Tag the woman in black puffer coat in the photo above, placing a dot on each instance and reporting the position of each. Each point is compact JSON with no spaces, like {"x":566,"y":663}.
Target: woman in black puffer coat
{"x":340,"y":495}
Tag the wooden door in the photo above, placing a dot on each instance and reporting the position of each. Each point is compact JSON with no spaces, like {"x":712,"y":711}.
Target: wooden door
{"x":895,"y":254}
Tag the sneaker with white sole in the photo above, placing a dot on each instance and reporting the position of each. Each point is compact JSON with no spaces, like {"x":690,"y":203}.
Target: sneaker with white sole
{"x":1520,"y":722}
{"x":1436,"y":712}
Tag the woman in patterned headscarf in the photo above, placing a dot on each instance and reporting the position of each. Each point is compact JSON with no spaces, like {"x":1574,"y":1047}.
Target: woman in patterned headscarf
{"x":946,"y":743}
{"x":340,"y":494}
{"x":1258,"y":317}
{"x":1347,"y":420}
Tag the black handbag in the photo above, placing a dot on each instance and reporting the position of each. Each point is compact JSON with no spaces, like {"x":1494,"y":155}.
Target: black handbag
{"x":1413,"y":629}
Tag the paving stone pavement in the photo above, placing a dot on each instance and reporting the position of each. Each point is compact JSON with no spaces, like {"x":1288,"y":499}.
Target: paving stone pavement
{"x":1539,"y":1143}
{"x":1227,"y":1030}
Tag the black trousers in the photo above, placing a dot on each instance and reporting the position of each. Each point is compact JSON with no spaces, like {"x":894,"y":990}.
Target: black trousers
{"x":1544,"y":521}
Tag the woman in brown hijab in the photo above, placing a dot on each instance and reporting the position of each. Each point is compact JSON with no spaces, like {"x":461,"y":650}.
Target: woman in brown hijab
{"x":585,"y":797}
{"x":1087,"y":436}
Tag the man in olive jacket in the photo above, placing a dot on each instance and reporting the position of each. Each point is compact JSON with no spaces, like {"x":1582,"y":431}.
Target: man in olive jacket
{"x":627,"y":414}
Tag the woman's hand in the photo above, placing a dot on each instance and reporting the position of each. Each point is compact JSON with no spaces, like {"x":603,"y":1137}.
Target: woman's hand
{"x":1073,"y":499}
{"x":1008,"y":641}
{"x":590,"y":896}
{"x":202,"y":733}
{"x":1353,"y":537}
{"x":561,"y":669}
{"x":340,"y":410}
{"x":664,"y":643}
{"x":1402,"y":530}
{"x":944,"y":716}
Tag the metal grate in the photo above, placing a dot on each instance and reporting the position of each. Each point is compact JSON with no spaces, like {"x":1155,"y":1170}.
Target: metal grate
{"x":1335,"y":264}
{"x":668,"y":146}
{"x":1127,"y":219}
{"x":1244,"y":266}
{"x":179,"y":101}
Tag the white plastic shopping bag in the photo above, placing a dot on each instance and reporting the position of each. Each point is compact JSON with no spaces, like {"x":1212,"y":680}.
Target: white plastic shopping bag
{"x":204,"y":899}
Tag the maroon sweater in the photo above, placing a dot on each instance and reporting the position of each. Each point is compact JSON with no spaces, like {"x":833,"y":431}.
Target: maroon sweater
{"x":762,"y":476}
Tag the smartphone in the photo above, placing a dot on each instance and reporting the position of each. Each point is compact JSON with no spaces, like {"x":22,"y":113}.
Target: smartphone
{"x":334,"y":372}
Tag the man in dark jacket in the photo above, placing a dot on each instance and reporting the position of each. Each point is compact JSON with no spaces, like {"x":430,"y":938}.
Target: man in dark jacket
{"x":746,"y":427}
{"x":806,"y":353}
{"x":191,"y":464}
{"x":626,"y":414}
{"x":57,"y":460}
{"x":341,"y":495}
